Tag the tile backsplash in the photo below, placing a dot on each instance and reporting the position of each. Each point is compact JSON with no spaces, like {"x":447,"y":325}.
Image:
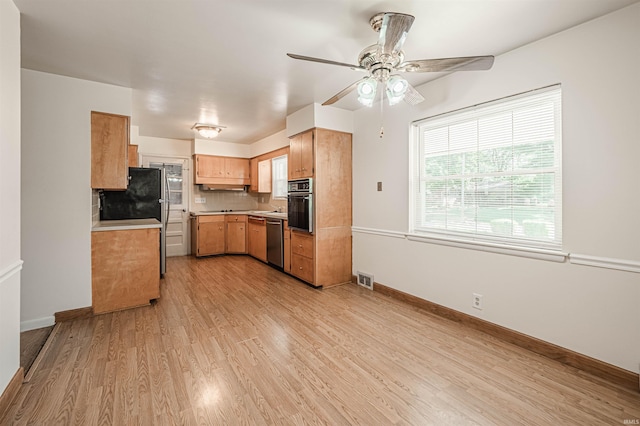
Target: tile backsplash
{"x":225,"y":200}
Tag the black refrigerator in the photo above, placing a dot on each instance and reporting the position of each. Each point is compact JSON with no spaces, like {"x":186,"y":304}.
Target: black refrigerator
{"x":143,"y":199}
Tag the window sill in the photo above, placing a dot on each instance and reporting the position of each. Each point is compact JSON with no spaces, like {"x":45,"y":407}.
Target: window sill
{"x":532,"y":253}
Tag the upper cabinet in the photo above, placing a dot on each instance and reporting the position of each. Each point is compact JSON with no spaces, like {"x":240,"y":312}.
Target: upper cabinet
{"x":109,"y":151}
{"x":264,"y":176}
{"x":212,"y":169}
{"x":301,"y":155}
{"x":133,"y":156}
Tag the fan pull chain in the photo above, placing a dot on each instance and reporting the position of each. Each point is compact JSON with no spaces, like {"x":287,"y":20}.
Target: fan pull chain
{"x":381,"y":114}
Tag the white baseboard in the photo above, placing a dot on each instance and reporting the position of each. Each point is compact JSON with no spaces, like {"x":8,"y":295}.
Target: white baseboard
{"x":37,"y":323}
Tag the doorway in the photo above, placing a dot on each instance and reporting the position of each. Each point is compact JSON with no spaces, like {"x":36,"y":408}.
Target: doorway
{"x":177,"y":240}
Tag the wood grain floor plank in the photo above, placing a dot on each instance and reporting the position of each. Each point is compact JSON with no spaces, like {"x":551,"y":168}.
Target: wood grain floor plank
{"x":233,"y":341}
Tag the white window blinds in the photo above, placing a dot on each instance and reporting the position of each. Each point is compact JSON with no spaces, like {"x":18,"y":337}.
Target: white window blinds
{"x":492,"y":172}
{"x":279,"y":177}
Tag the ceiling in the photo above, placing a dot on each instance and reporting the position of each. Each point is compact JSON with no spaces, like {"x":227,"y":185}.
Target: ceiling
{"x":224,"y":62}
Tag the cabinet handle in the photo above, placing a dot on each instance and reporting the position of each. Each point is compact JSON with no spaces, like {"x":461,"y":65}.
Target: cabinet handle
{"x":301,"y":268}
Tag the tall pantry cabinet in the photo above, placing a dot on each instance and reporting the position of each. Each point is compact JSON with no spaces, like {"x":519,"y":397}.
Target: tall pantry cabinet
{"x":323,"y":258}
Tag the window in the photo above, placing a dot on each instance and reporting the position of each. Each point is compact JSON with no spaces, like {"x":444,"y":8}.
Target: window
{"x":279,"y":177}
{"x":492,"y":173}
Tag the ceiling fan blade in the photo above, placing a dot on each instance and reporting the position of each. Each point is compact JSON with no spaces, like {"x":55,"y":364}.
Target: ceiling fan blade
{"x":470,"y":63}
{"x":342,"y":93}
{"x":412,"y":97}
{"x":393,"y":32}
{"x":325,"y":61}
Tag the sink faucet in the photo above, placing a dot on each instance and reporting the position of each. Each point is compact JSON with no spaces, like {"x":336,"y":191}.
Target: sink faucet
{"x":278,"y":208}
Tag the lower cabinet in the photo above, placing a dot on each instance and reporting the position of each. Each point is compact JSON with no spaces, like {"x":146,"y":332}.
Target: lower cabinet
{"x":236,"y":238}
{"x":258,"y":238}
{"x":207,"y":235}
{"x":125,"y":268}
{"x":302,"y":256}
{"x":287,"y":246}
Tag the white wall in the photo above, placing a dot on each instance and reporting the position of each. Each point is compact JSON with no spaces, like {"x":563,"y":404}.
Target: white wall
{"x":10,"y":262}
{"x":593,"y":311}
{"x":56,"y":190}
{"x":179,"y":148}
{"x":270,"y":143}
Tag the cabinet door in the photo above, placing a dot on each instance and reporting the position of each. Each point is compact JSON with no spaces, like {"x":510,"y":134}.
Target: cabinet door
{"x":237,"y":168}
{"x":294,"y":157}
{"x":236,"y":237}
{"x":208,"y":167}
{"x":125,"y":268}
{"x":109,"y":151}
{"x":253,"y":172}
{"x":287,"y":247}
{"x":210,"y":235}
{"x":306,"y":154}
{"x":258,"y":241}
{"x":133,"y":156}
{"x":264,"y":176}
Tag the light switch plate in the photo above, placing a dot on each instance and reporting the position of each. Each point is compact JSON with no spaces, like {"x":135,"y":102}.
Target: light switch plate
{"x":379,"y":186}
{"x":200,"y":200}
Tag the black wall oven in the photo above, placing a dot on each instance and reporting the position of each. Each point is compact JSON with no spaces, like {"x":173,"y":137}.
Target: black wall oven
{"x":300,"y":204}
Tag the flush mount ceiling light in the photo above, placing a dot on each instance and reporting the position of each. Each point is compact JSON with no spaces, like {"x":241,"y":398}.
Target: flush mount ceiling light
{"x":208,"y":131}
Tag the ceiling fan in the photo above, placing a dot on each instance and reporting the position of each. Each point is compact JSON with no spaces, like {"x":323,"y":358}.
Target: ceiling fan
{"x":384,"y":60}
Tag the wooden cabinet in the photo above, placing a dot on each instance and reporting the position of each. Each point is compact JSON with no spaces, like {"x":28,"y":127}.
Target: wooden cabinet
{"x":264,"y":176}
{"x":236,"y":238}
{"x":301,"y":155}
{"x":125,"y":268}
{"x":109,"y":151}
{"x":207,"y":235}
{"x":133,"y":156}
{"x":212,"y":169}
{"x":257,"y":238}
{"x":287,"y":246}
{"x":324,"y":257}
{"x":253,"y":171}
{"x":302,"y":256}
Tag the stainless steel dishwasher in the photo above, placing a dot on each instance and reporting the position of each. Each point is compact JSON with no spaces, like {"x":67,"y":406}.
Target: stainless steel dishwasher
{"x":275,"y":244}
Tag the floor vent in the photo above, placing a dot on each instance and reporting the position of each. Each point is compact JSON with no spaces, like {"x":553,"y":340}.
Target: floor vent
{"x":365,"y":280}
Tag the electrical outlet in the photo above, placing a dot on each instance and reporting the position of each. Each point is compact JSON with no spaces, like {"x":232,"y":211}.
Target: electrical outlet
{"x":477,"y":301}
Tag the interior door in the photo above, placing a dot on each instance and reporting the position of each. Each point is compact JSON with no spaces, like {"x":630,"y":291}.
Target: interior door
{"x":176,"y":170}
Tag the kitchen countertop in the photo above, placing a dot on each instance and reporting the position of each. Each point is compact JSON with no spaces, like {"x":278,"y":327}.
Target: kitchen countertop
{"x":274,"y":215}
{"x":126,"y":224}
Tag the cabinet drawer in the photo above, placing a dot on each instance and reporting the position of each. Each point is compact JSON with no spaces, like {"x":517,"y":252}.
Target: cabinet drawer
{"x":302,"y":267}
{"x":210,"y":218}
{"x":235,"y":218}
{"x":302,"y":244}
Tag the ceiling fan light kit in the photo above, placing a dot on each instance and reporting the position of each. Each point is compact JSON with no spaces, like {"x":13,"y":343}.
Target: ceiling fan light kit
{"x":208,"y":131}
{"x":383,"y":60}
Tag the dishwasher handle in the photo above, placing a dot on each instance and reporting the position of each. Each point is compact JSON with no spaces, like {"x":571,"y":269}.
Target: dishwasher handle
{"x":274,"y":222}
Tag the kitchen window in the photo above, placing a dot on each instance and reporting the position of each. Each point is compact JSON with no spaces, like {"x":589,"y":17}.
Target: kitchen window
{"x":491,"y":174}
{"x":279,"y":177}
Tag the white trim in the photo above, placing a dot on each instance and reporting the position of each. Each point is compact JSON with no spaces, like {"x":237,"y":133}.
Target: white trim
{"x":381,"y":232}
{"x":605,"y":262}
{"x":37,"y":323}
{"x":10,"y":270}
{"x":550,"y":255}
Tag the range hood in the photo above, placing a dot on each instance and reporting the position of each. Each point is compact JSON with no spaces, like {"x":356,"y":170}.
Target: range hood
{"x":223,"y":187}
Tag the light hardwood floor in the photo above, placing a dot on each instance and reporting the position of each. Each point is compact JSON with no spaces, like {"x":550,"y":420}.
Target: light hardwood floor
{"x":233,"y":341}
